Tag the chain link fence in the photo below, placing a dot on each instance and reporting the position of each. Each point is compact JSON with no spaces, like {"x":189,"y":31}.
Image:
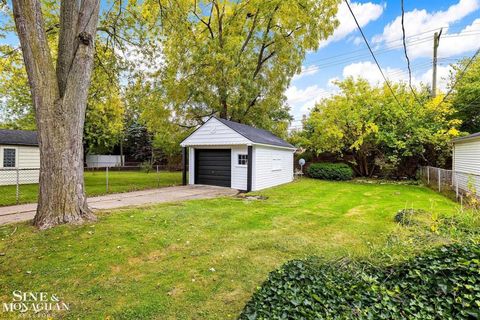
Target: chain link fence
{"x":448,"y":180}
{"x":20,"y":185}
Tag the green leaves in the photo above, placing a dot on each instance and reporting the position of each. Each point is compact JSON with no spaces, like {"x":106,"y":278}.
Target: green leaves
{"x":443,"y":283}
{"x":236,"y":58}
{"x":330,"y":171}
{"x":365,"y":124}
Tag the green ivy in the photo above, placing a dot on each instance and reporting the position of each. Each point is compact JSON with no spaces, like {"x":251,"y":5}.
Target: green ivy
{"x":330,"y":171}
{"x":441,"y":284}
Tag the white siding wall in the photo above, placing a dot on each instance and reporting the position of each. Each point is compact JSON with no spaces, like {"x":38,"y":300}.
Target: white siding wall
{"x":102,"y":160}
{"x":239,"y":173}
{"x":213,"y":132}
{"x":466,"y":164}
{"x":26,"y":158}
{"x":191,"y":165}
{"x":267,"y":173}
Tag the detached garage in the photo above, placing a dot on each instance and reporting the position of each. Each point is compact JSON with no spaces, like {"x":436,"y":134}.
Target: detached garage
{"x":229,"y":154}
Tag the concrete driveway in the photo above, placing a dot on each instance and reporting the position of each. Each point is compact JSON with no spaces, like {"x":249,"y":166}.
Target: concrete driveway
{"x":26,"y":212}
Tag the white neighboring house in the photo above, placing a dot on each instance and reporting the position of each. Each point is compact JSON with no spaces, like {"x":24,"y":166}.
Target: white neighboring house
{"x":230,"y":154}
{"x":104,"y":160}
{"x":466,"y":162}
{"x":19,"y":150}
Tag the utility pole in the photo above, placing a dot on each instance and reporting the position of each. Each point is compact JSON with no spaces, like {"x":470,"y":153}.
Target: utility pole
{"x":436,"y":42}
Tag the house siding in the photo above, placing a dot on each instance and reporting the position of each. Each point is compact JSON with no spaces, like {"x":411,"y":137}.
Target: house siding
{"x":266,"y":173}
{"x":466,"y":164}
{"x":213,"y":132}
{"x":27,"y":157}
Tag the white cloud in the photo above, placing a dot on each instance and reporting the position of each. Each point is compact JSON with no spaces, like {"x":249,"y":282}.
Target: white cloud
{"x":369,"y":71}
{"x":301,"y":100}
{"x":306,"y":71}
{"x":365,"y":13}
{"x":418,"y":24}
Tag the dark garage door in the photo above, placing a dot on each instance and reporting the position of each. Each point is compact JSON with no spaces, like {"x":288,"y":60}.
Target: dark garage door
{"x":213,"y":167}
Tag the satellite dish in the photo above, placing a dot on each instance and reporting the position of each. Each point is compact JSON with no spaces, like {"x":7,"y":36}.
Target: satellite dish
{"x":301,"y":162}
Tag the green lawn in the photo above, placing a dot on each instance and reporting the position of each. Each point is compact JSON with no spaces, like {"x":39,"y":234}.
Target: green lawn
{"x":95,"y":181}
{"x":203,"y":259}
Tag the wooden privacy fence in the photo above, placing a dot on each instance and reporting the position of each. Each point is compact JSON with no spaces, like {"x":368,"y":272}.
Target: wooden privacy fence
{"x":448,"y":180}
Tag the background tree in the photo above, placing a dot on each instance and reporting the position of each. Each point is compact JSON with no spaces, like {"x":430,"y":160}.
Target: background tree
{"x":105,"y":107}
{"x":366,"y":124}
{"x":235,"y":59}
{"x":466,"y":94}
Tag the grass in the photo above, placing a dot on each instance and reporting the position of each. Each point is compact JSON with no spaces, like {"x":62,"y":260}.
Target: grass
{"x":95,"y":182}
{"x":202,"y":259}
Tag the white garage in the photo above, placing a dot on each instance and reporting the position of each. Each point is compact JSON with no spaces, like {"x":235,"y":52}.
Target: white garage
{"x":230,"y":154}
{"x":466,"y":163}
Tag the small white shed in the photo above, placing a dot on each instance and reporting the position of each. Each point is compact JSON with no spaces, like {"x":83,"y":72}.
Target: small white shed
{"x":466,"y":162}
{"x":230,"y":154}
{"x":19,"y":157}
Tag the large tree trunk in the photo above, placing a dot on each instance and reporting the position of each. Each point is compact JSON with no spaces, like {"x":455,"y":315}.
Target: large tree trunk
{"x":60,"y":99}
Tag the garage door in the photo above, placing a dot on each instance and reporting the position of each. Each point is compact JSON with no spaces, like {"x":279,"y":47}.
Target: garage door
{"x":213,"y":167}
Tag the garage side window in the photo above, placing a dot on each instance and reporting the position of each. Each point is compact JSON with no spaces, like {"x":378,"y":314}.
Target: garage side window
{"x":242,"y":159}
{"x":9,"y":158}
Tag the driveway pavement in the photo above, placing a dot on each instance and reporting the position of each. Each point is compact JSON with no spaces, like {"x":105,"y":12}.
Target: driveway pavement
{"x":26,"y":212}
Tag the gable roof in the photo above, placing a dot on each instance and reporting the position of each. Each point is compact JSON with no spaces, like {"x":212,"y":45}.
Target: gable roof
{"x":256,"y":135}
{"x":18,"y":137}
{"x":469,"y":137}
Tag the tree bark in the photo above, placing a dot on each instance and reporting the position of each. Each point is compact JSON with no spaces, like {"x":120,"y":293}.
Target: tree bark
{"x":60,"y":100}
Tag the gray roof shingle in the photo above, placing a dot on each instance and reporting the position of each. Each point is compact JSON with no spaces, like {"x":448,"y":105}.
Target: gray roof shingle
{"x":18,"y":137}
{"x":471,"y":136}
{"x":256,"y":135}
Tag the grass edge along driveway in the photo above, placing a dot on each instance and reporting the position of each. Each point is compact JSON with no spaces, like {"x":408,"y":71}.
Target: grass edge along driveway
{"x":95,"y":184}
{"x":202,"y":259}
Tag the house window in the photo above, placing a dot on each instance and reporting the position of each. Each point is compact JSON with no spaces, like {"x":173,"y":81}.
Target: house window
{"x":9,"y":156}
{"x":242,"y":159}
{"x":276,"y":164}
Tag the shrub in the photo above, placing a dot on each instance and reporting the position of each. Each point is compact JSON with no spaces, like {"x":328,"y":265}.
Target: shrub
{"x":441,"y":284}
{"x":146,"y":166}
{"x":330,"y":171}
{"x":405,"y":217}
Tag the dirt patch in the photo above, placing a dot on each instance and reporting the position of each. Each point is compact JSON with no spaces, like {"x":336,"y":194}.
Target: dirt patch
{"x":356,"y":211}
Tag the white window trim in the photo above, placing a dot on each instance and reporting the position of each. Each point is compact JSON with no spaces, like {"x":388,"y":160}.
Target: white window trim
{"x":1,"y":157}
{"x":237,"y":158}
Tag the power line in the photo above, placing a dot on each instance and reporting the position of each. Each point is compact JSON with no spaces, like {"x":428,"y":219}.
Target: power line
{"x":406,"y":55}
{"x":371,"y":51}
{"x":460,"y":76}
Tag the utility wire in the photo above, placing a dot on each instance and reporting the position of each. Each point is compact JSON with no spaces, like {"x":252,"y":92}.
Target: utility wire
{"x":406,"y":56}
{"x":460,"y":76}
{"x":373,"y":55}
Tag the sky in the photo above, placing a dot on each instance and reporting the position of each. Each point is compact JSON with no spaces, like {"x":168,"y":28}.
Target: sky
{"x":345,"y":53}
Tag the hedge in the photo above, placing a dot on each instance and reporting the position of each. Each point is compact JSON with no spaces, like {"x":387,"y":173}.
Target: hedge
{"x":330,"y":171}
{"x":441,"y":284}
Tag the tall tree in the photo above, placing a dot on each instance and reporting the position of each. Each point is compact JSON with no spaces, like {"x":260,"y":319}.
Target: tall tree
{"x":466,"y":94}
{"x":235,"y":59}
{"x":367,"y":125}
{"x":60,"y":98}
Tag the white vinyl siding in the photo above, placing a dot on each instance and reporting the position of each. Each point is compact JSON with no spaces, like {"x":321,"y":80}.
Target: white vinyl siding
{"x":466,"y":163}
{"x":239,"y":172}
{"x":27,"y":157}
{"x":272,"y":166}
{"x":213,"y":132}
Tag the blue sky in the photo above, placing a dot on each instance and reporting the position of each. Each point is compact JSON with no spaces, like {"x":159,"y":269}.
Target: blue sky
{"x":345,"y":53}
